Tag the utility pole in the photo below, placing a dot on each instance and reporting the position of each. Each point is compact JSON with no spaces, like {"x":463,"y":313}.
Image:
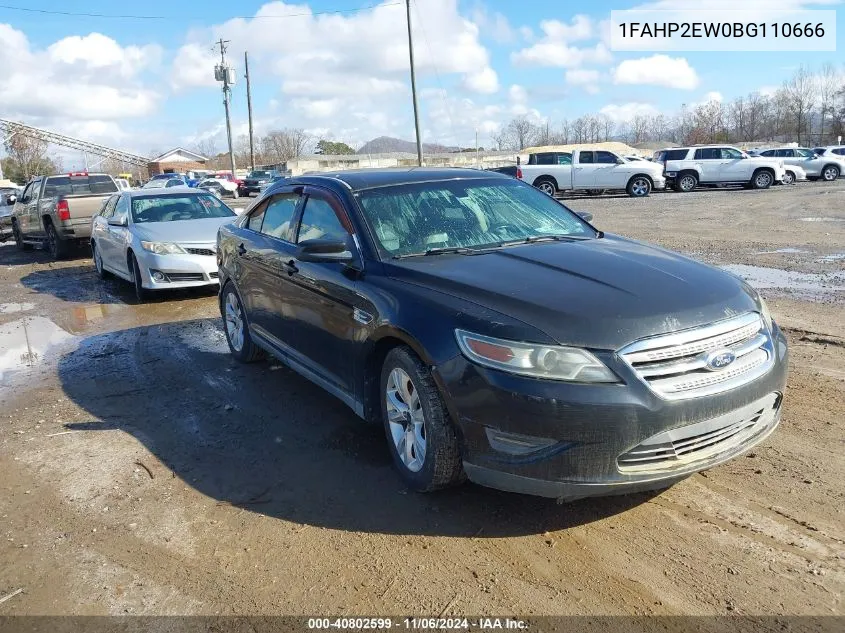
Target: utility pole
{"x":414,"y":84}
{"x":224,"y":73}
{"x":249,"y":111}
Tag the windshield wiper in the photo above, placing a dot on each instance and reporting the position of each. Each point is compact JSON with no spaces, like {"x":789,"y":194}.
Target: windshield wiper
{"x":440,"y":250}
{"x":533,"y":239}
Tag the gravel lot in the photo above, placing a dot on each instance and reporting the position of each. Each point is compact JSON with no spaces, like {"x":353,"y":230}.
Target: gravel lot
{"x":144,"y":472}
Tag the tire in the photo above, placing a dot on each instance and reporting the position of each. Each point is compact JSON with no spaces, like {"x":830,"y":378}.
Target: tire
{"x":141,"y":293}
{"x":98,"y":262}
{"x":241,"y":347}
{"x":762,"y":179}
{"x":57,"y":246}
{"x":686,"y":182}
{"x":788,"y":178}
{"x":546,"y":185}
{"x":22,"y":246}
{"x":433,"y":459}
{"x":639,"y":187}
{"x":830,"y":173}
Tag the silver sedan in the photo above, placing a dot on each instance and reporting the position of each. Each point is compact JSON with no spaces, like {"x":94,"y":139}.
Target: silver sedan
{"x":159,"y":239}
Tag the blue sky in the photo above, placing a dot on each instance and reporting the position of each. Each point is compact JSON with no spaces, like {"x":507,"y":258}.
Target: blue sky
{"x":146,"y":84}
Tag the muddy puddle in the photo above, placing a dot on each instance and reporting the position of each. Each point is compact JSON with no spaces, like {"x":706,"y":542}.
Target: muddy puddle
{"x":811,"y":286}
{"x":27,"y":342}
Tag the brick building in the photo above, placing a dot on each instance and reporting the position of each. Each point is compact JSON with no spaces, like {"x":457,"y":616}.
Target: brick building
{"x":178,"y":161}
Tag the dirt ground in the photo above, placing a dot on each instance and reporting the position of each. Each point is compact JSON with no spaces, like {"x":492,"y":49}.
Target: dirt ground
{"x":142,"y":471}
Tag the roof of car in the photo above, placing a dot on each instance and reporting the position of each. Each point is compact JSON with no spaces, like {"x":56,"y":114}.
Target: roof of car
{"x":357,"y":179}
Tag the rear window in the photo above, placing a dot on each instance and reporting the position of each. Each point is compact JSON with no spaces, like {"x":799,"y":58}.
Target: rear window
{"x":172,"y":208}
{"x":78,"y":185}
{"x":670,"y":154}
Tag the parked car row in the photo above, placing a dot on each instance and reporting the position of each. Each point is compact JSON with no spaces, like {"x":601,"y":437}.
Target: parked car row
{"x":680,"y":168}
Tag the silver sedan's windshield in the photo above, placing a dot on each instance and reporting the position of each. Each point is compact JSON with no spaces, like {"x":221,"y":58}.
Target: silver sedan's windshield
{"x":465,"y":214}
{"x":174,"y":208}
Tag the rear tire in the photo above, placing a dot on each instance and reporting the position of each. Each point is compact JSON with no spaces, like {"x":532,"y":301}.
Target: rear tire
{"x":546,"y":185}
{"x":762,"y":179}
{"x":686,"y":182}
{"x":420,"y":435}
{"x":236,"y":327}
{"x":830,"y":173}
{"x":16,"y":232}
{"x":58,"y":247}
{"x":98,"y":262}
{"x":788,"y":178}
{"x":638,"y":187}
{"x":141,"y":293}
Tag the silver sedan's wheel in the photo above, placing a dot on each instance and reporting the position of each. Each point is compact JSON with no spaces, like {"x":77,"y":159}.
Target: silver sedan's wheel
{"x":234,"y":322}
{"x":406,"y":420}
{"x":788,"y":178}
{"x":831,"y":172}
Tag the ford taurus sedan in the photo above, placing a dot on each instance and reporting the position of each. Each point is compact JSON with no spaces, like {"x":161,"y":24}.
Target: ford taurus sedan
{"x":159,"y":239}
{"x":497,"y":335}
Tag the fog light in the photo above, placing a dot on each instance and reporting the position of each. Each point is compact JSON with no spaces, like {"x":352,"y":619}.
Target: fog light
{"x":516,"y":443}
{"x":157,"y":275}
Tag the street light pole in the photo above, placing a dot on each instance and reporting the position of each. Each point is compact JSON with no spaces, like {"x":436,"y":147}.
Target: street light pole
{"x":414,"y":84}
{"x":223,"y":76}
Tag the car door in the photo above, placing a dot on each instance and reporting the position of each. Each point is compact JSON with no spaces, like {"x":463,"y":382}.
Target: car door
{"x":734,"y":167}
{"x":265,"y":281}
{"x":607,"y":174}
{"x":100,"y":227}
{"x":708,"y":160}
{"x":34,"y":226}
{"x":807,"y":159}
{"x":323,"y":301}
{"x":116,"y":238}
{"x":583,"y":172}
{"x":22,"y":209}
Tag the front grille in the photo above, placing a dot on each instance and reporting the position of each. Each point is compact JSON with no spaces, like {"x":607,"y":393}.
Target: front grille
{"x":687,"y":445}
{"x":675,"y":366}
{"x":185,"y":276}
{"x":200,"y":251}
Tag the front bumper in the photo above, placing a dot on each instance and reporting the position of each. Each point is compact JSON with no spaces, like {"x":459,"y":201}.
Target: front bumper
{"x":245,"y":190}
{"x":588,"y":428}
{"x":659,"y":182}
{"x":181,"y":271}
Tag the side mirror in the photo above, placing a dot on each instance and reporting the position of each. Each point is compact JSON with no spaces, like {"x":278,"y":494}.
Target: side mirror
{"x":330,"y":250}
{"x":585,"y":215}
{"x":118,"y":221}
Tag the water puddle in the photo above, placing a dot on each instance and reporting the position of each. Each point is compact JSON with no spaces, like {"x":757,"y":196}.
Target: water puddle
{"x":830,"y":259}
{"x":810,"y":285}
{"x":83,"y":316}
{"x":10,"y":308}
{"x":25,"y":342}
{"x":822,"y":219}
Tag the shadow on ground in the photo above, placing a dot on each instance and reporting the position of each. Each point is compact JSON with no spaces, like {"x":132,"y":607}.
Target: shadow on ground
{"x":261,"y":437}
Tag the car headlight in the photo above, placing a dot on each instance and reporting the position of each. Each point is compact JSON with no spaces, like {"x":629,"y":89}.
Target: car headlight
{"x":553,"y":362}
{"x":163,"y":248}
{"x":764,"y":313}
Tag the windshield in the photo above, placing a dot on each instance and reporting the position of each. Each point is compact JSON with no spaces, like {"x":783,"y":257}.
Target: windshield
{"x":166,"y":208}
{"x":414,"y":218}
{"x":78,"y":185}
{"x":259,"y":174}
{"x":155,"y":184}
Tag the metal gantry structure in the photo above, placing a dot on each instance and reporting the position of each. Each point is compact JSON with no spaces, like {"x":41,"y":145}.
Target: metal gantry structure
{"x":10,"y":128}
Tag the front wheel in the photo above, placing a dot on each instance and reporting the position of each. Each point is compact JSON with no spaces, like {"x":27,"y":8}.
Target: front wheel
{"x":830,"y":173}
{"x":22,"y":246}
{"x":762,"y":180}
{"x":423,"y":443}
{"x":141,"y":293}
{"x":639,"y":187}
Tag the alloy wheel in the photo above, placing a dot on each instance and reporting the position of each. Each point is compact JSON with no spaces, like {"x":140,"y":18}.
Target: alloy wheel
{"x":234,"y":321}
{"x":830,"y":173}
{"x":763,"y":179}
{"x":788,"y":178}
{"x":406,"y":419}
{"x":547,"y":188}
{"x":640,"y":187}
{"x":687,"y":183}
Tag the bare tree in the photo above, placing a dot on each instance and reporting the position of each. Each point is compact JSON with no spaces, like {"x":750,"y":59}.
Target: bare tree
{"x":579,"y":130}
{"x":565,"y":131}
{"x":29,"y":155}
{"x":801,"y":97}
{"x":206,"y":147}
{"x":638,"y":129}
{"x":607,"y":127}
{"x":829,"y":84}
{"x":522,"y":131}
{"x":280,"y":146}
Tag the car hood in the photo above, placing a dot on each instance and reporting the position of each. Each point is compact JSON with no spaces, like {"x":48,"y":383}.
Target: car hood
{"x":600,"y":294}
{"x":201,"y":231}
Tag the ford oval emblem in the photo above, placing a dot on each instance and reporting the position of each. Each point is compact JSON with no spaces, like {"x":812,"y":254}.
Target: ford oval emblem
{"x":719,"y":359}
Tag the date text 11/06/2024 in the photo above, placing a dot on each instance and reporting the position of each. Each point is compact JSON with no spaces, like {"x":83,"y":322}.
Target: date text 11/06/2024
{"x":422,"y":623}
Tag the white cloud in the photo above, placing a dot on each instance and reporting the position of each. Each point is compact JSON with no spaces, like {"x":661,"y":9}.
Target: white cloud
{"x":495,"y":25}
{"x":657,"y":70}
{"x":584,"y":78}
{"x":485,"y":81}
{"x":555,"y":49}
{"x":713,"y":96}
{"x":627,"y":111}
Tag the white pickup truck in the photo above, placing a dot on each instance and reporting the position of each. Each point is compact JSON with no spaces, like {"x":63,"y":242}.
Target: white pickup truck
{"x":590,"y":170}
{"x":687,"y":167}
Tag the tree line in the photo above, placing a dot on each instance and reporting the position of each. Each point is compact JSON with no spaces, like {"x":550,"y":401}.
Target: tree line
{"x":808,"y":108}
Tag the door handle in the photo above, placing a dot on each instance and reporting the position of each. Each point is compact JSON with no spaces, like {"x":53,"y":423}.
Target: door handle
{"x":290,"y":266}
{"x":241,"y":249}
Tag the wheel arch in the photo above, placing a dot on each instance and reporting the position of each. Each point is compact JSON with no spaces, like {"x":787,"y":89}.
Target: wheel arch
{"x":649,"y":177}
{"x":545,"y":177}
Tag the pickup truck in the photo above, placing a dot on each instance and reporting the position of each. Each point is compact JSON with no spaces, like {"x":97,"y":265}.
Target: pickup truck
{"x":56,"y":210}
{"x":255,"y":179}
{"x":590,"y":170}
{"x":687,"y":167}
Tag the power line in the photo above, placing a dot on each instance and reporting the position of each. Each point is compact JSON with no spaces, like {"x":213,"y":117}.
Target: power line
{"x":176,"y":16}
